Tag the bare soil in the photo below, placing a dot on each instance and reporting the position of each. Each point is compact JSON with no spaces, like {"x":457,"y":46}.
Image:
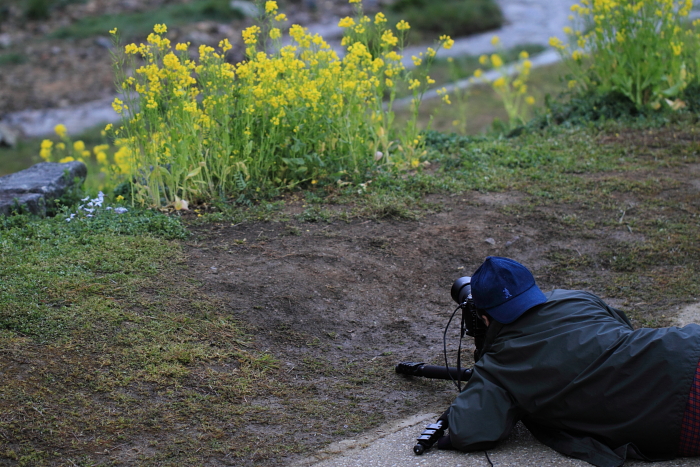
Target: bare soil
{"x":339,"y":304}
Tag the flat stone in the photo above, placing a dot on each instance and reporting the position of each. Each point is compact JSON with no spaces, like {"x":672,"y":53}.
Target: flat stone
{"x":48,"y":178}
{"x":32,"y":202}
{"x":39,"y":185}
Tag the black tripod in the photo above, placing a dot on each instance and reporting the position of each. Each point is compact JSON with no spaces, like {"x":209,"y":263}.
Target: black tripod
{"x":471,"y":325}
{"x":436,"y":430}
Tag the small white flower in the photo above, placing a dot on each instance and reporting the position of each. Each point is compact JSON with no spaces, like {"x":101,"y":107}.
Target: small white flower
{"x":120,"y":210}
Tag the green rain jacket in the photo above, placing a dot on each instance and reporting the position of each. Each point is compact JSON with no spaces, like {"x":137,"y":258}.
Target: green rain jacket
{"x":582,"y":381}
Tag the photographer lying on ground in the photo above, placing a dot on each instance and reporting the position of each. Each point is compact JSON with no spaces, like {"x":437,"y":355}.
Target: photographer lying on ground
{"x":575,"y":372}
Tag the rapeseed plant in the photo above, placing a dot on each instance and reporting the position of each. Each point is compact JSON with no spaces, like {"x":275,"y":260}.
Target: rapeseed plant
{"x":197,"y":129}
{"x":510,"y":87}
{"x":99,"y":157}
{"x":637,"y":48}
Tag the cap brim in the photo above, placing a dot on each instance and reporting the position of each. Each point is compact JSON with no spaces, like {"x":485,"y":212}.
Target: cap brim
{"x":511,"y":310}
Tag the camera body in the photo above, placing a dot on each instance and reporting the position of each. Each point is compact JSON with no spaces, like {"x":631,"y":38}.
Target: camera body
{"x":472,"y":324}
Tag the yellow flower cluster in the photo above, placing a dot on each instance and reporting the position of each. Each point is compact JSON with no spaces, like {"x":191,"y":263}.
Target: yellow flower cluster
{"x":511,"y":89}
{"x":67,"y":150}
{"x":194,"y":129}
{"x":640,"y":47}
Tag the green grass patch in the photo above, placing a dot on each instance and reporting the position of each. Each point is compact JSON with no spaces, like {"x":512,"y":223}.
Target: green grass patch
{"x":452,"y":17}
{"x":133,"y":25}
{"x":474,"y":110}
{"x":12,"y":58}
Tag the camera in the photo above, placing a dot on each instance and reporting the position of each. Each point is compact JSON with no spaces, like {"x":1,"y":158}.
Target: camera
{"x":472,"y":324}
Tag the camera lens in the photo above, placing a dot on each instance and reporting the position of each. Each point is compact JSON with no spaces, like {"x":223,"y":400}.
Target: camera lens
{"x":461,"y":289}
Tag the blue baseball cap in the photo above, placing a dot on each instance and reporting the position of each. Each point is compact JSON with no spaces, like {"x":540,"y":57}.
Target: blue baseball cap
{"x":505,"y":289}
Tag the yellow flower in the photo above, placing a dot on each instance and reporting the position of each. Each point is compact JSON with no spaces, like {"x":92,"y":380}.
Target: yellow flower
{"x":556,"y":43}
{"x":131,"y":49}
{"x":250,"y":35}
{"x":430,"y":52}
{"x":416,"y":61}
{"x":60,"y":130}
{"x":355,"y":1}
{"x":271,"y":7}
{"x":478,"y":73}
{"x":113,"y":31}
{"x":60,"y":146}
{"x":495,"y":40}
{"x":224,"y":45}
{"x":45,"y":151}
{"x":101,"y":158}
{"x":388,"y":38}
{"x":403,"y":26}
{"x":414,"y":84}
{"x":677,"y":48}
{"x":281,"y":17}
{"x":500,"y":83}
{"x":447,"y":42}
{"x":524,"y":55}
{"x":415,"y":163}
{"x":79,"y":146}
{"x":496,"y":60}
{"x":577,"y":55}
{"x":275,"y":33}
{"x":160,"y":28}
{"x":572,"y":84}
{"x":118,"y":105}
{"x":120,"y":198}
{"x":484,"y":59}
{"x":182,"y":47}
{"x":568,"y":30}
{"x":346,"y":22}
{"x":379,"y":18}
{"x":429,"y":80}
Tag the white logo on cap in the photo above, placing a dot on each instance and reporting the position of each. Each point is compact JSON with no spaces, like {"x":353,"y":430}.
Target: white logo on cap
{"x":507,"y":294}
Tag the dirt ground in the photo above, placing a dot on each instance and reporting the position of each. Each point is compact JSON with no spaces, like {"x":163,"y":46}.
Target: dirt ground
{"x":368,"y":293}
{"x":373,"y":293}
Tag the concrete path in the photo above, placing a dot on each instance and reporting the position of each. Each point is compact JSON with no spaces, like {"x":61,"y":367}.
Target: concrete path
{"x":392,"y":446}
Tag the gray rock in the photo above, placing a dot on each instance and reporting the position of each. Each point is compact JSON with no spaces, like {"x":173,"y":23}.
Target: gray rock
{"x":39,"y":185}
{"x":32,"y":202}
{"x":104,"y":42}
{"x":8,"y":135}
{"x":247,"y":9}
{"x":5,"y":41}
